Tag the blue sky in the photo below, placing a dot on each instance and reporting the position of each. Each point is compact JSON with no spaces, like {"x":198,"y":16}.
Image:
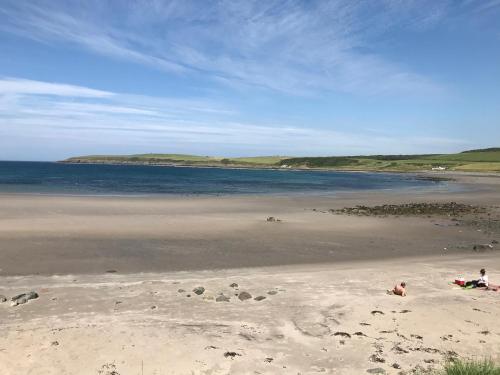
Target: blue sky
{"x":248,"y":77}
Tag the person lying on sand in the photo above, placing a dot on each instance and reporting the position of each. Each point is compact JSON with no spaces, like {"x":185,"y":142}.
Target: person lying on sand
{"x":399,"y":290}
{"x":482,"y":282}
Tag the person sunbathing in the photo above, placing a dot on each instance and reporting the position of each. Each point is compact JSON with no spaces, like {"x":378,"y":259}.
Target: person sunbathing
{"x":400,"y":289}
{"x":482,"y":282}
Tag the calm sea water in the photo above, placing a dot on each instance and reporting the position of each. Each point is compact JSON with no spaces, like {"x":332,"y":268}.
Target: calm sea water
{"x":86,"y":179}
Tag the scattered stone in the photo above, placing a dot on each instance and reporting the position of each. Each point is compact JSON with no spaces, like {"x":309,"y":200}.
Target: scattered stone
{"x":412,"y":209}
{"x":222,"y":298}
{"x":397,"y":366}
{"x":181,"y":291}
{"x":343,"y":334}
{"x":210,"y":347}
{"x":111,"y":271}
{"x":429,"y":361}
{"x":268,"y":359}
{"x":377,"y":370}
{"x":199,"y":290}
{"x":418,"y":337}
{"x":482,"y":247}
{"x":231,"y":355}
{"x":494,"y":242}
{"x":359,"y":334}
{"x":2,"y":299}
{"x":54,"y":343}
{"x":233,"y":285}
{"x":154,"y":307}
{"x":485,"y":332}
{"x":399,"y":350}
{"x":244,"y":296}
{"x":375,"y":312}
{"x":404,"y":311}
{"x":259,"y":298}
{"x":23,"y":298}
{"x":364,"y":324}
{"x":118,"y":302}
{"x":272,"y":292}
{"x":188,"y":295}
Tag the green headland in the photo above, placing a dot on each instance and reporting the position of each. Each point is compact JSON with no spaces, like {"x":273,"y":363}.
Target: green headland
{"x":482,"y":160}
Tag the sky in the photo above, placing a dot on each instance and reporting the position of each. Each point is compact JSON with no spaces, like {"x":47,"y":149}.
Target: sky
{"x":248,"y":78}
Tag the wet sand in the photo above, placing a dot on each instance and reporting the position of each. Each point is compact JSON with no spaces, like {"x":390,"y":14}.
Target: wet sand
{"x":326,"y":274}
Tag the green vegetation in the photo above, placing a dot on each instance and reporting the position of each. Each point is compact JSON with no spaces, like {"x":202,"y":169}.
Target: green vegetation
{"x":486,"y":160}
{"x":471,"y":367}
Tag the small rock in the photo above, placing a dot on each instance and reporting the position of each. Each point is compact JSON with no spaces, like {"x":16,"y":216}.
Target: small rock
{"x":343,"y":334}
{"x":268,"y":359}
{"x":244,"y":296}
{"x":377,"y":358}
{"x":231,"y":354}
{"x":54,"y":343}
{"x":375,"y":312}
{"x":259,"y":298}
{"x":154,"y":307}
{"x":222,"y":298}
{"x":111,"y":271}
{"x":272,"y":292}
{"x":396,"y":366}
{"x":233,"y":285}
{"x":376,"y":370}
{"x":199,"y":290}
{"x":188,"y":295}
{"x":181,"y":291}
{"x":494,"y":242}
{"x":23,"y":298}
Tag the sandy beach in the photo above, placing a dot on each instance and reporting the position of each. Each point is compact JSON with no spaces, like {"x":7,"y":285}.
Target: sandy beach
{"x":115,"y":279}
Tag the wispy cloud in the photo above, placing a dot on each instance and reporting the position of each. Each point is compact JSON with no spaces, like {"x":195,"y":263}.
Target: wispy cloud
{"x":116,"y":122}
{"x":293,"y":47}
{"x":15,"y":86}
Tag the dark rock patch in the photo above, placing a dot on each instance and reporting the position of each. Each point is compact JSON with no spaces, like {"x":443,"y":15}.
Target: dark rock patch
{"x":244,"y":296}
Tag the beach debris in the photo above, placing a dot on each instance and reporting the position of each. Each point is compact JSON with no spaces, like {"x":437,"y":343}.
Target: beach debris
{"x":375,"y":312}
{"x":181,"y":291}
{"x":199,"y":290}
{"x":272,"y":292}
{"x":272,"y":219}
{"x":23,"y":298}
{"x":3,"y":299}
{"x":222,"y":298}
{"x":259,"y":298}
{"x":377,"y":370}
{"x":412,"y":209}
{"x":244,"y":296}
{"x":231,"y":355}
{"x":233,"y":285}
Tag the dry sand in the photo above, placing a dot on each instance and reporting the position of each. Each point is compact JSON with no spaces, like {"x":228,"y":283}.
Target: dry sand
{"x":329,"y":272}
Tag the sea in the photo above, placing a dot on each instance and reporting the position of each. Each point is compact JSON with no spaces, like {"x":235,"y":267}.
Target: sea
{"x":50,"y":178}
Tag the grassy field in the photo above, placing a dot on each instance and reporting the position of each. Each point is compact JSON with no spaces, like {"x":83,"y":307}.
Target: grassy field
{"x":487,"y":160}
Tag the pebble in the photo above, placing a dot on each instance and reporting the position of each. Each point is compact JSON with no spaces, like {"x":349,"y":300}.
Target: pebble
{"x":2,"y":299}
{"x":259,"y":298}
{"x":199,"y":290}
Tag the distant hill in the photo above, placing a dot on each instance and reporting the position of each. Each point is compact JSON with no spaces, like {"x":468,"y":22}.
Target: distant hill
{"x":486,"y":160}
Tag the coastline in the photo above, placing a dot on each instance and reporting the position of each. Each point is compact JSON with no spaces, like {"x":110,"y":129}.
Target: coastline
{"x":115,"y":278}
